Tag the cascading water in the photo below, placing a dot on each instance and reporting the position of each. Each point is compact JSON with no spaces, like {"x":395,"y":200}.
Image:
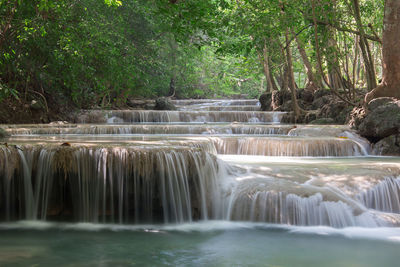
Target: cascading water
{"x":210,"y":160}
{"x":108,"y":184}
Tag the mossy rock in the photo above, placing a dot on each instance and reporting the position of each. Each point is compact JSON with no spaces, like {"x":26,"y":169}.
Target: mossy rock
{"x":164,"y":103}
{"x":3,"y":133}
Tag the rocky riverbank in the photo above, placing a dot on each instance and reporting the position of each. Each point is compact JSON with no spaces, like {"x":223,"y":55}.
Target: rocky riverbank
{"x":378,"y":121}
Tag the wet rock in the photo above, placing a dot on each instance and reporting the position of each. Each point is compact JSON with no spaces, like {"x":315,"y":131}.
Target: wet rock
{"x":389,"y":146}
{"x":164,"y":103}
{"x":266,"y":101}
{"x":381,"y":120}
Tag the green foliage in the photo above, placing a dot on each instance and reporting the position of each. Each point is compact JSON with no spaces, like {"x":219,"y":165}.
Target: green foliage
{"x":103,"y":52}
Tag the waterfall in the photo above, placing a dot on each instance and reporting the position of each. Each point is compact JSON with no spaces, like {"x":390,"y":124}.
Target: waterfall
{"x":105,"y":184}
{"x":196,"y":163}
{"x":299,"y":147}
{"x":192,"y":129}
{"x":153,"y":116}
{"x":385,"y":196}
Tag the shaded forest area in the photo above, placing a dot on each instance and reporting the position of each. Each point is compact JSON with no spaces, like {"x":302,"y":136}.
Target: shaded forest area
{"x":58,"y":54}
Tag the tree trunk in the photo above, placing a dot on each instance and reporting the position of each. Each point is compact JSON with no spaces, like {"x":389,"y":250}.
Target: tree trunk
{"x":390,"y":86}
{"x":312,"y":83}
{"x":292,"y":85}
{"x":283,"y":77}
{"x":274,"y":86}
{"x":266,"y":67}
{"x":365,"y":50}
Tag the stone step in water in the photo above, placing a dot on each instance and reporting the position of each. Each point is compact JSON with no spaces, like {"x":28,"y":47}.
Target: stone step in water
{"x":290,"y":146}
{"x":143,"y":116}
{"x":180,"y":184}
{"x":221,"y":108}
{"x":181,"y":129}
{"x":311,"y":191}
{"x":237,"y":145}
{"x":107,"y":184}
{"x":215,"y":102}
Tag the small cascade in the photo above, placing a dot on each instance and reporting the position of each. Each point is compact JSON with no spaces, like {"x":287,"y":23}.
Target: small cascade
{"x":154,"y":116}
{"x":167,"y":129}
{"x":108,"y":184}
{"x":283,"y":208}
{"x":228,"y":108}
{"x":289,"y":147}
{"x":385,"y":196}
{"x":209,"y":160}
{"x":216,"y":102}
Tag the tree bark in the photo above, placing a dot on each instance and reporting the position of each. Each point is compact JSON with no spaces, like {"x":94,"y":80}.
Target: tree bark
{"x":312,"y":83}
{"x":292,"y":84}
{"x":319,"y":56}
{"x":266,"y":67}
{"x":365,"y":50}
{"x":390,"y":86}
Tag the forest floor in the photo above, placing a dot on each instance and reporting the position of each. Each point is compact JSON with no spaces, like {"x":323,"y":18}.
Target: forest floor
{"x":20,"y":111}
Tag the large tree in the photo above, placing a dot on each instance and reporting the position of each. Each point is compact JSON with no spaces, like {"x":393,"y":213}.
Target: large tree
{"x":390,"y":86}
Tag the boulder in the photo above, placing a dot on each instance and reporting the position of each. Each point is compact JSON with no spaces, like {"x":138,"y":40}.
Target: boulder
{"x":3,"y":133}
{"x":337,"y":110}
{"x":305,"y":95}
{"x":389,"y":146}
{"x":322,"y":92}
{"x":140,"y":103}
{"x":163,"y":103}
{"x":321,"y":101}
{"x":36,"y":105}
{"x":382,"y":119}
{"x":280,"y":97}
{"x":375,"y":103}
{"x":286,"y":106}
{"x":266,"y":101}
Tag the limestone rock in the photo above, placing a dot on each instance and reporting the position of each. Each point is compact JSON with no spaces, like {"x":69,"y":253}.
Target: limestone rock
{"x":382,"y":120}
{"x":36,"y":105}
{"x":279,"y":98}
{"x":322,"y":92}
{"x":3,"y":133}
{"x":163,"y":103}
{"x":140,"y":103}
{"x":337,"y":110}
{"x":389,"y":146}
{"x":266,"y":101}
{"x":306,"y":95}
{"x":375,"y":103}
{"x":321,"y":101}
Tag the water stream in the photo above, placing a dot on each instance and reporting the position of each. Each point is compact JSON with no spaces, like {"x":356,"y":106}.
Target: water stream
{"x":196,"y":184}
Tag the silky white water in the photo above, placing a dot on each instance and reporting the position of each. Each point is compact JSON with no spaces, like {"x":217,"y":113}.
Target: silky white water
{"x":220,"y":177}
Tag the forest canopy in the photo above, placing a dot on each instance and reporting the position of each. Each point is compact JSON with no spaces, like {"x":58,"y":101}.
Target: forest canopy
{"x":98,"y":53}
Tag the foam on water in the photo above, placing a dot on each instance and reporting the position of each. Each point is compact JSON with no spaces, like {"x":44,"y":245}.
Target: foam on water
{"x":388,"y":234}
